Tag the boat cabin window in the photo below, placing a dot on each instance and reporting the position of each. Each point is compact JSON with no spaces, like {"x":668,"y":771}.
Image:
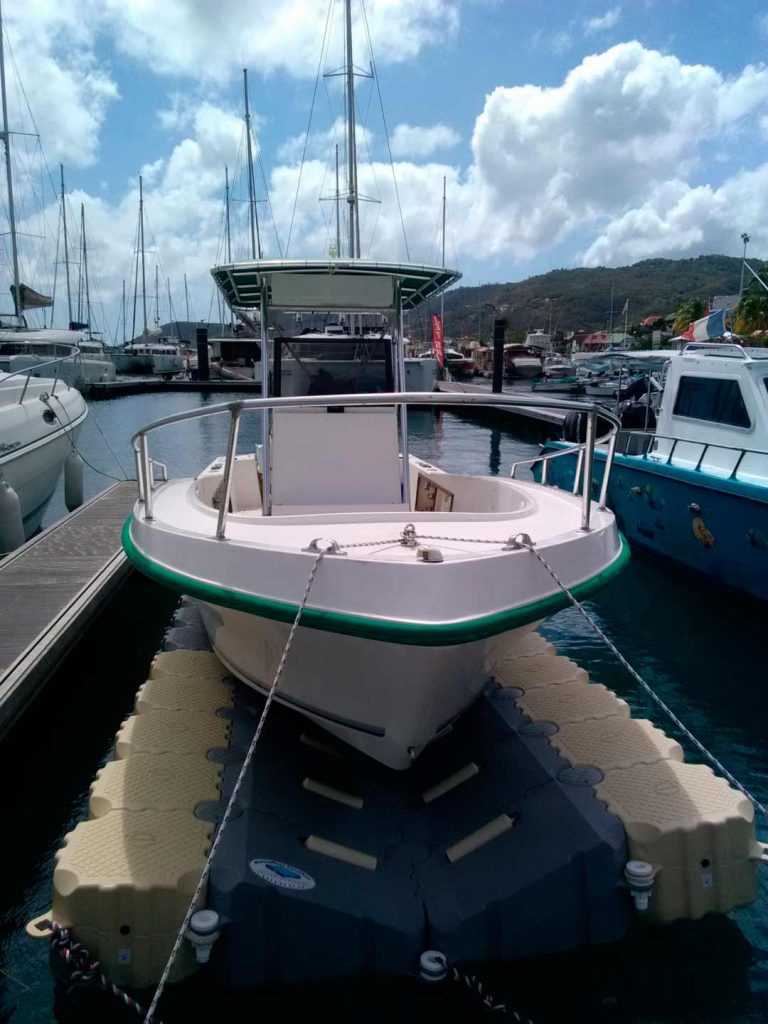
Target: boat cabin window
{"x":714,"y":399}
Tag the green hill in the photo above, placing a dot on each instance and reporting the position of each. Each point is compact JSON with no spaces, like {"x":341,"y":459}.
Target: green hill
{"x":581,"y":298}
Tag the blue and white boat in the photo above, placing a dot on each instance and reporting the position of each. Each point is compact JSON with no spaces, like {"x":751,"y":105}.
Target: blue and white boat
{"x":696,"y":490}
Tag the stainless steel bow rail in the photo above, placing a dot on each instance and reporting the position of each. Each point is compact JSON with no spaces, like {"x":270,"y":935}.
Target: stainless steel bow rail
{"x":33,"y":371}
{"x":145,"y":464}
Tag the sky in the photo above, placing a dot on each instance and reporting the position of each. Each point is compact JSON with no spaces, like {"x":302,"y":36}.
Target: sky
{"x":570,"y":134}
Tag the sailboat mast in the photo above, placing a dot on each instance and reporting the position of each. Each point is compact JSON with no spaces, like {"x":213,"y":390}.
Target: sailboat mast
{"x":354,"y":219}
{"x":85,"y":270}
{"x":124,"y":337}
{"x":338,"y":212}
{"x":254,"y":217}
{"x":66,"y":243}
{"x":17,"y":305}
{"x":442,"y":296}
{"x":157,"y":296}
{"x":186,"y":297}
{"x":141,"y":251}
{"x":226,"y":213}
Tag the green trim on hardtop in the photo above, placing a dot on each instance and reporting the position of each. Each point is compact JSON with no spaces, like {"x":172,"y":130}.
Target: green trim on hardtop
{"x":443,"y":634}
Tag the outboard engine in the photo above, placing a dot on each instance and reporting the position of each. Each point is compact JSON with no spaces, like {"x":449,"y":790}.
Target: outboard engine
{"x":574,"y":428}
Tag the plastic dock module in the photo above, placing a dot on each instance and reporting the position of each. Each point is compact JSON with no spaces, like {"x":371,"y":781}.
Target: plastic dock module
{"x":175,"y":693}
{"x":124,"y":878}
{"x":614,"y":743}
{"x":571,"y":702}
{"x":162,"y":782}
{"x":158,"y":731}
{"x":508,"y":837}
{"x":123,"y":883}
{"x":202,"y":665}
{"x":537,"y":670}
{"x":695,"y":830}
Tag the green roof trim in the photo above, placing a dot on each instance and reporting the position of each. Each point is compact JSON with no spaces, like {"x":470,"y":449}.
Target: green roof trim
{"x":330,"y":285}
{"x":394,"y":631}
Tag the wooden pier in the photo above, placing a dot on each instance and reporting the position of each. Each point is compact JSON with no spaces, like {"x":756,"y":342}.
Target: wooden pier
{"x":52,"y":587}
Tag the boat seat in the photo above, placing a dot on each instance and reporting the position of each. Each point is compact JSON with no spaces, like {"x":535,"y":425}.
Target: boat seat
{"x":334,"y":459}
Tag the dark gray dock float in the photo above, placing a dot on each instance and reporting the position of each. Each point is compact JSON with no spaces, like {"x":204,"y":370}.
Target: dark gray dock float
{"x":530,"y":422}
{"x":51,"y":588}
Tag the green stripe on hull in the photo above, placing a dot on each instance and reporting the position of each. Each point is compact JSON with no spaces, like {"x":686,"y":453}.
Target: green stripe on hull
{"x":443,"y":634}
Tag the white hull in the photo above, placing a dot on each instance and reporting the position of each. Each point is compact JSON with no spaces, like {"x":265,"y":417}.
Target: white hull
{"x":77,"y":371}
{"x":387,"y":700}
{"x":32,"y":451}
{"x":390,"y":649}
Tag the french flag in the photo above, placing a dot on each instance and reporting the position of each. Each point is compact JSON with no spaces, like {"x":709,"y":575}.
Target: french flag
{"x":711,"y":326}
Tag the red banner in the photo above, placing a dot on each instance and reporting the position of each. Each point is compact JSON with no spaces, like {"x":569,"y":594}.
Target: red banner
{"x":437,"y":338}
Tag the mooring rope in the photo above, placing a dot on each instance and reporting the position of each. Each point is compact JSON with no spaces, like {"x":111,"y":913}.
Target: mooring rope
{"x":410,"y":538}
{"x":149,"y":1018}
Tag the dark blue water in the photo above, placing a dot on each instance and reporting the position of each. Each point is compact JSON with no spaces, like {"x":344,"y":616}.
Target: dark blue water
{"x":702,"y":648}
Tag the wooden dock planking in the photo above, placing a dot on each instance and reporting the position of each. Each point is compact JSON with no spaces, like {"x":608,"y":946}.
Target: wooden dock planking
{"x":50,"y":589}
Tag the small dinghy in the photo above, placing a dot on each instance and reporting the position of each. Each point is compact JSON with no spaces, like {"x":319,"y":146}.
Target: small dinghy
{"x":426,"y":571}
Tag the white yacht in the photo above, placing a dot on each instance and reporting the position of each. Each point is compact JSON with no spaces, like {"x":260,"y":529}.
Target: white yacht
{"x":153,"y":354}
{"x":83,"y":359}
{"x":424,"y":576}
{"x":40,"y":419}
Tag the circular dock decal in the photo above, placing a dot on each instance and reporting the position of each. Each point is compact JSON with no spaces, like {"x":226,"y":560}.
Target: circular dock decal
{"x":284,"y":876}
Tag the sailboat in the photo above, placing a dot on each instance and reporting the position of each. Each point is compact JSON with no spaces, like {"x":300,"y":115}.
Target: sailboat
{"x":152,"y":352}
{"x":40,"y":415}
{"x":407,"y":579}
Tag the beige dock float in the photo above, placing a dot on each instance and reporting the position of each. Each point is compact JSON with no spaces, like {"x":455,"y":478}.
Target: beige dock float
{"x":52,"y":587}
{"x":614,"y":743}
{"x":157,"y":731}
{"x":175,"y":693}
{"x":537,"y":670}
{"x":123,"y":882}
{"x":695,"y":829}
{"x":574,"y":701}
{"x":162,"y":782}
{"x":201,"y":665}
{"x":124,"y":878}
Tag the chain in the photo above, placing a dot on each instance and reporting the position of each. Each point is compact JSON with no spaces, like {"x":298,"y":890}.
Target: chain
{"x":83,"y":969}
{"x":149,"y":1018}
{"x":718,"y":765}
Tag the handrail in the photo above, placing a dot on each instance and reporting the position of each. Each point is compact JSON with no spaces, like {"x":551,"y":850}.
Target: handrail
{"x":714,"y":348}
{"x":144,"y":462}
{"x":28,"y":370}
{"x":706,"y":445}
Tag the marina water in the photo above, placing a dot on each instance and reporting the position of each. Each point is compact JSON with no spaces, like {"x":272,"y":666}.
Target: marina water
{"x":700,"y":647}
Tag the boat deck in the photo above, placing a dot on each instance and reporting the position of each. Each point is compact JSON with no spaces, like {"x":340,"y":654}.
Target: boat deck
{"x":51,"y":587}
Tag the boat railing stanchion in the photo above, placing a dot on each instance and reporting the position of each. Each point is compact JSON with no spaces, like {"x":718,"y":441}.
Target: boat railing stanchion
{"x":579,"y":465}
{"x":146,"y":472}
{"x":608,"y":466}
{"x":26,"y":385}
{"x":139,"y":473}
{"x":226,"y":489}
{"x":589,"y":456}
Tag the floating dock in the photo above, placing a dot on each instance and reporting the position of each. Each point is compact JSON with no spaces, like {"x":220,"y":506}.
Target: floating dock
{"x":507,"y":838}
{"x":150,"y":385}
{"x":527,"y":421}
{"x":51,"y":588}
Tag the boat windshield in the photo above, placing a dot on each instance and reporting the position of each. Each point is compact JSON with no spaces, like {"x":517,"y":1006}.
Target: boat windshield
{"x":311,"y":365}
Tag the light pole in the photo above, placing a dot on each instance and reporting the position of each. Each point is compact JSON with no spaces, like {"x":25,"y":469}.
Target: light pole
{"x":746,"y":240}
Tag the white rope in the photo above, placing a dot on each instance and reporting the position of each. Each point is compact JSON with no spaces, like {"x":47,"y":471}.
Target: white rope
{"x":235,"y":791}
{"x":409,"y":537}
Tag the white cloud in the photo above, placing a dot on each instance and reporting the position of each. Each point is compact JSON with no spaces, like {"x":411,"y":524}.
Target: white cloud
{"x":410,"y":140}
{"x":602,"y":22}
{"x":549,"y":161}
{"x":215,"y":38}
{"x":679,"y":220}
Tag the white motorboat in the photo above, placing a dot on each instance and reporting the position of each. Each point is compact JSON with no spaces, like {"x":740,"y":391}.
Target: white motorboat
{"x":83,"y":358}
{"x":40,"y":419}
{"x":421,"y":583}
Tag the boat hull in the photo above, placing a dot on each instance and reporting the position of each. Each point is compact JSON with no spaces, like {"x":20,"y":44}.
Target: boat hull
{"x":714,"y":526}
{"x":387,"y":700}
